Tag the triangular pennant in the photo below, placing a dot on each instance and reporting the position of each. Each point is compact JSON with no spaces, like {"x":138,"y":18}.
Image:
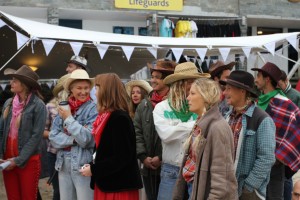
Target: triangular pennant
{"x":279,"y":51}
{"x":201,"y":52}
{"x":247,"y":51}
{"x":3,"y":86}
{"x":21,"y":39}
{"x":49,"y":84}
{"x":153,"y":51}
{"x":177,"y":53}
{"x":270,"y":47}
{"x":293,"y":41}
{"x":48,"y":45}
{"x":102,"y":48}
{"x":128,"y":51}
{"x":76,"y":46}
{"x":224,"y":53}
{"x":2,"y":23}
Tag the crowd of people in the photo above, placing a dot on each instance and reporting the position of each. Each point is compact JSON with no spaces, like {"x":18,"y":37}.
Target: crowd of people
{"x":186,"y":135}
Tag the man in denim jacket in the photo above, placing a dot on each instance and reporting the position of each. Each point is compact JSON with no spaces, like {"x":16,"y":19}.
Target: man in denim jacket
{"x":254,"y":136}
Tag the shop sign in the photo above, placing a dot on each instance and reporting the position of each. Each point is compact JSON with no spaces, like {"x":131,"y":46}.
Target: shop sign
{"x":150,"y":4}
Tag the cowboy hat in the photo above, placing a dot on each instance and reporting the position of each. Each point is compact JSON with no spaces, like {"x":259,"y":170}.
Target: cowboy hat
{"x":185,"y":70}
{"x":219,"y":66}
{"x":165,"y":66}
{"x":271,"y":70}
{"x":78,"y":60}
{"x":141,"y":83}
{"x":241,"y":79}
{"x":60,"y":84}
{"x":78,"y":74}
{"x":26,"y":75}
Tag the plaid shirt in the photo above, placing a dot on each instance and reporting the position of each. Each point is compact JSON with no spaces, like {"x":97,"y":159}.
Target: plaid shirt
{"x":286,"y":116}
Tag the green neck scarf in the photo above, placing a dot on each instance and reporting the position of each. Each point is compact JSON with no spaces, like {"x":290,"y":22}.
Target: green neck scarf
{"x":264,"y":99}
{"x":184,"y":114}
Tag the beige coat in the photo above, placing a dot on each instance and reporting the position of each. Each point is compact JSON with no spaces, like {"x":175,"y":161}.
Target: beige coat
{"x":214,"y":177}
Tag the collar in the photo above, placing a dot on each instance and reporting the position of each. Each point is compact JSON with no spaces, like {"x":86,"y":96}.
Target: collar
{"x":288,"y":87}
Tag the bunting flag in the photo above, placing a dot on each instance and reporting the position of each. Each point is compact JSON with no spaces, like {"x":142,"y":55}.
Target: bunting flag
{"x":177,"y":53}
{"x":270,"y":47}
{"x":201,"y":52}
{"x":128,"y":50}
{"x":21,"y":39}
{"x":48,"y":45}
{"x":293,"y":41}
{"x":3,"y":86}
{"x":224,"y":53}
{"x":247,"y":51}
{"x":153,"y":51}
{"x":2,"y":23}
{"x":76,"y":47}
{"x":49,"y":84}
{"x":102,"y":48}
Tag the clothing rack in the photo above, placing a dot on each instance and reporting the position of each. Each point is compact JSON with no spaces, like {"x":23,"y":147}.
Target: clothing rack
{"x":197,"y":18}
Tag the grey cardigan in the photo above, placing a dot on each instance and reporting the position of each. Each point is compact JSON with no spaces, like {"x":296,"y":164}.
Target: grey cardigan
{"x":30,"y":132}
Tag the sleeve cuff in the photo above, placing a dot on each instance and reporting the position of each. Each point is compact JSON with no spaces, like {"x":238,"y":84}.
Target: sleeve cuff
{"x":68,"y":121}
{"x":142,"y":157}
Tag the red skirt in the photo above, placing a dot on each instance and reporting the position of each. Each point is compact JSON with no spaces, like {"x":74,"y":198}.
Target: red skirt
{"x":125,"y":195}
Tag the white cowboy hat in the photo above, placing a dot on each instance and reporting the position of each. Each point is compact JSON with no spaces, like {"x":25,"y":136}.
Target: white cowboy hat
{"x":141,"y":83}
{"x":78,"y":74}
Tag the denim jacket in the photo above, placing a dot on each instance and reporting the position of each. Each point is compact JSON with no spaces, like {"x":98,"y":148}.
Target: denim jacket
{"x":257,"y":155}
{"x":30,"y":131}
{"x":79,"y":127}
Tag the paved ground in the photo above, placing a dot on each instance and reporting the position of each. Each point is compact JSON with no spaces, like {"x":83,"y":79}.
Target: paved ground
{"x":45,"y":190}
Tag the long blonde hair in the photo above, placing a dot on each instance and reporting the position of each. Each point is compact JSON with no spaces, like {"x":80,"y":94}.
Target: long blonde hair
{"x":177,"y":94}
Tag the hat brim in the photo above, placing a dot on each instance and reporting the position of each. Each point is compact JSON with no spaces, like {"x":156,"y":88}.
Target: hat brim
{"x":169,"y":71}
{"x":239,"y":85}
{"x":180,"y":76}
{"x":57,"y":89}
{"x":131,"y":84}
{"x":24,"y":79}
{"x":78,"y":63}
{"x":222,"y":68}
{"x":70,"y":80}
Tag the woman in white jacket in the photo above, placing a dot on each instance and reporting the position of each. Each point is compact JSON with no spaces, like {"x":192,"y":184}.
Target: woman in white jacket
{"x":174,"y":122}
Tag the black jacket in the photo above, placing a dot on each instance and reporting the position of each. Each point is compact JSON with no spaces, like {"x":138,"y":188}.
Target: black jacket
{"x":115,"y":167}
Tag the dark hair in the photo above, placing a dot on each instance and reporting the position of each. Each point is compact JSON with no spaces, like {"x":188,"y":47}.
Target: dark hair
{"x":283,"y":76}
{"x":273,"y":82}
{"x":111,"y":94}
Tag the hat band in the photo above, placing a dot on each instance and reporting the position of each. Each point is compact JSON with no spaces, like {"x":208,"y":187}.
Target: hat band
{"x":239,"y":83}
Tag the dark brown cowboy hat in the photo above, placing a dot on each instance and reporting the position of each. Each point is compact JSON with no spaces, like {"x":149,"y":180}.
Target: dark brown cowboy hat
{"x":164,"y":66}
{"x":271,"y":70}
{"x":241,"y":79}
{"x":26,"y":75}
{"x":219,"y":66}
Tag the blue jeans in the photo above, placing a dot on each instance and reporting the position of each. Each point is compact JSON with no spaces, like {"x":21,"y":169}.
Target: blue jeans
{"x":168,"y":177}
{"x":72,"y":185}
{"x":190,"y":189}
{"x":51,"y":170}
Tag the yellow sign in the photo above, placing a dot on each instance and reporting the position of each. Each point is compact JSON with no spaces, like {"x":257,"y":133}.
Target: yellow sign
{"x":150,"y":4}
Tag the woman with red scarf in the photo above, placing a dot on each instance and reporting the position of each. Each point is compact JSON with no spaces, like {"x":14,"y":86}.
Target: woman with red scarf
{"x":114,"y":171}
{"x":71,"y":134}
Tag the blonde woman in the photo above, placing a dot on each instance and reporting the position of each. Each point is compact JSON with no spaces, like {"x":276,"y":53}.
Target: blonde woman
{"x":174,"y":122}
{"x":137,"y":91}
{"x":21,"y":131}
{"x":207,"y":168}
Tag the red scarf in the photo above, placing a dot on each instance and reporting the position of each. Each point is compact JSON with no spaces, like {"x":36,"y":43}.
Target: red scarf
{"x":98,"y":126}
{"x":156,"y":98}
{"x":75,"y":104}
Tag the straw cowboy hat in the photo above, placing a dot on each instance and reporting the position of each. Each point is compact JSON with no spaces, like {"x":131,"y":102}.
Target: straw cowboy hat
{"x":141,"y":83}
{"x":78,"y":74}
{"x":271,"y":70}
{"x":185,"y":70}
{"x":165,"y":66}
{"x":26,"y":75}
{"x":60,"y":84}
{"x":241,"y":79}
{"x":218,"y":67}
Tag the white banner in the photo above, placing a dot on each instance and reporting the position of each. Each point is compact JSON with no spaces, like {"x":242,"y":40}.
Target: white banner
{"x":247,"y":51}
{"x":128,"y":50}
{"x":293,"y":41}
{"x":102,"y":48}
{"x":201,"y":52}
{"x":224,"y":53}
{"x":177,"y":53}
{"x":76,"y":47}
{"x":48,"y":45}
{"x":21,"y":39}
{"x":153,"y":51}
{"x":271,"y":47}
